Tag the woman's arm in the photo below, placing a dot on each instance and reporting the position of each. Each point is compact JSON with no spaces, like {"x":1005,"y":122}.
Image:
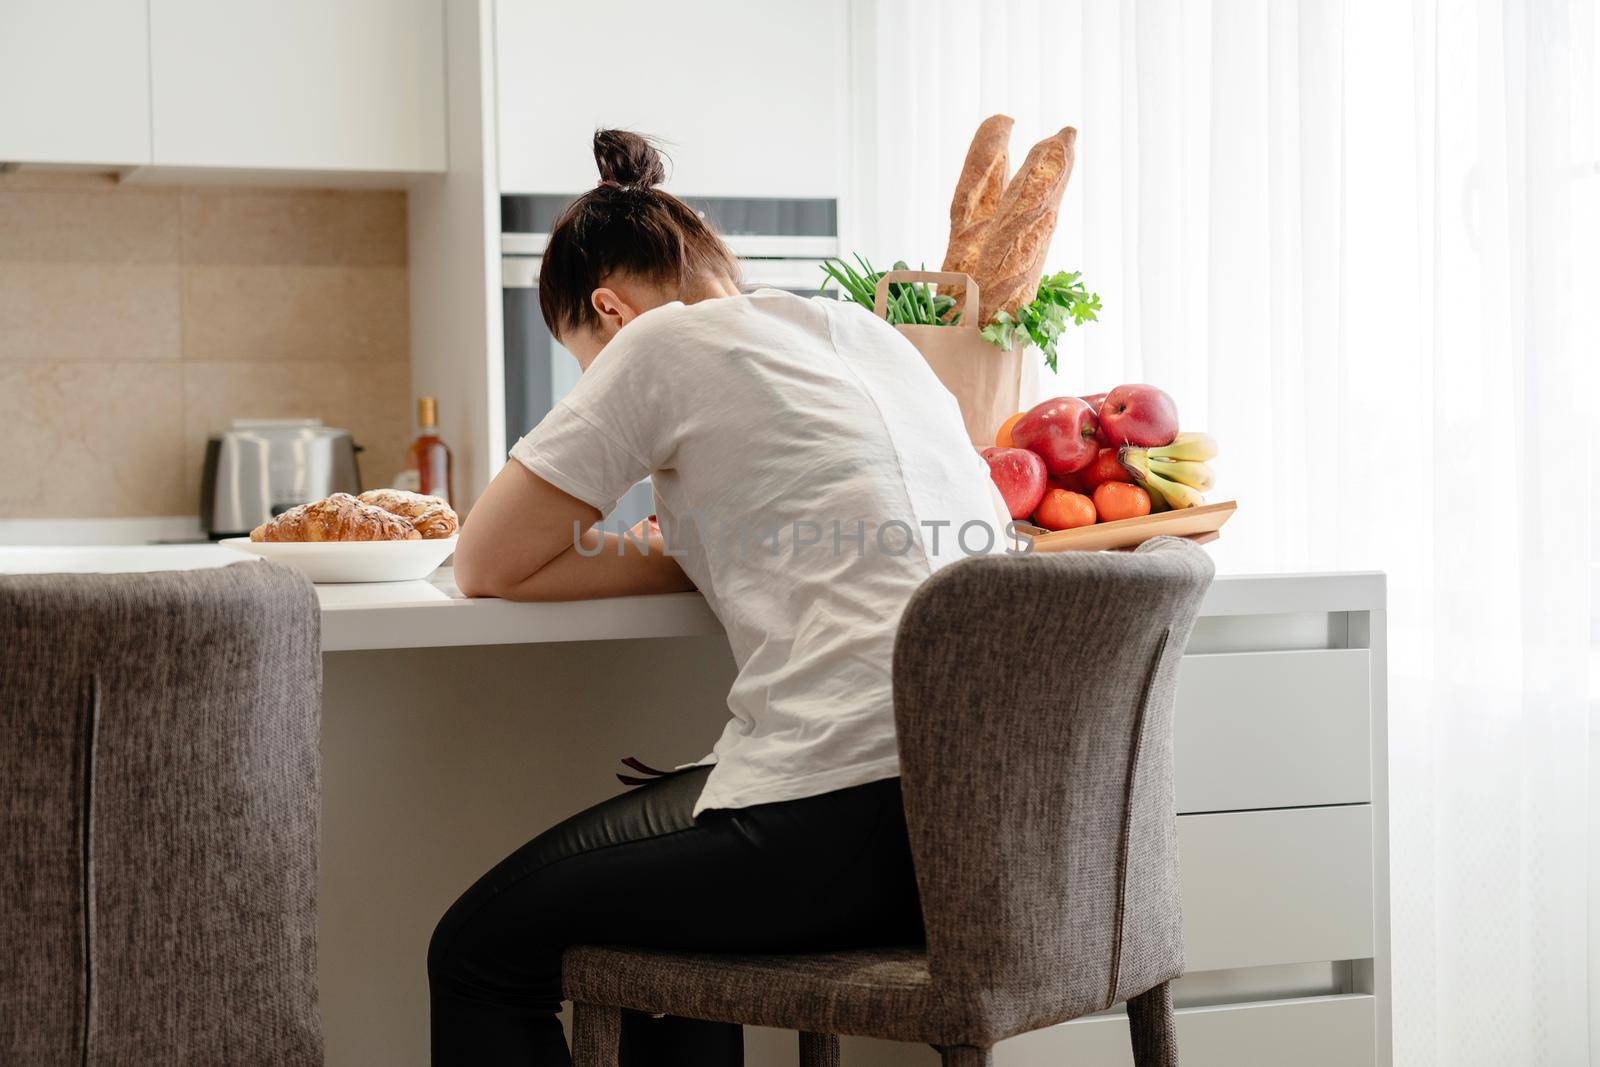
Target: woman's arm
{"x":518,"y":544}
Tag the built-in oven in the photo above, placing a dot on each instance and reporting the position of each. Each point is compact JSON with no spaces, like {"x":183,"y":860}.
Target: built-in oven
{"x":779,"y":244}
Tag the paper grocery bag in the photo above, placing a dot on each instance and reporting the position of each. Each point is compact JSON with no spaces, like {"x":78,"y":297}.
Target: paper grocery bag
{"x":990,"y":384}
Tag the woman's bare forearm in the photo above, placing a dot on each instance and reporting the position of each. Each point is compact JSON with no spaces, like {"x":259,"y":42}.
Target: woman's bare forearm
{"x":519,"y":543}
{"x":607,"y":566}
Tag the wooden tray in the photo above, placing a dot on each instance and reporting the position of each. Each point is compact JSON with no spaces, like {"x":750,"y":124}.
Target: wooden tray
{"x":1199,"y":524}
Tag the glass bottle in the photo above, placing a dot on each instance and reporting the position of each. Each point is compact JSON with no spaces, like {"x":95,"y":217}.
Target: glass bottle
{"x":428,"y":459}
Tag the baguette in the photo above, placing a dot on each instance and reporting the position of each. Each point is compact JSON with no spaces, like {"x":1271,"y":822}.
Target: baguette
{"x":977,"y":196}
{"x":1012,"y":257}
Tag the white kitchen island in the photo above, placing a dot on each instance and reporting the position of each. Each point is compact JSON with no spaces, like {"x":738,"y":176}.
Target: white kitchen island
{"x":454,"y":730}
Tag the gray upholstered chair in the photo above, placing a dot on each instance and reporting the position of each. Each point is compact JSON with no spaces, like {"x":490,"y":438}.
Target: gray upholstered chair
{"x":1033,"y":700}
{"x":158,"y":817}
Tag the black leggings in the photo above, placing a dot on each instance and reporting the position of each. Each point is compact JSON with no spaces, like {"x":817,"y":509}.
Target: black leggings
{"x":826,"y":872}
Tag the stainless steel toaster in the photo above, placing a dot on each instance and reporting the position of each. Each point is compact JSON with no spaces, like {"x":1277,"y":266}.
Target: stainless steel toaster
{"x":264,"y":467}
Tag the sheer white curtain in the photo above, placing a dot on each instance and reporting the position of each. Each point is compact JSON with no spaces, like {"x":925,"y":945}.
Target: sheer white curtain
{"x":1356,"y":241}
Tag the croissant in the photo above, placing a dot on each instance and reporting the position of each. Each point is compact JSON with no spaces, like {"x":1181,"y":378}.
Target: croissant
{"x":432,"y":517}
{"x":340,"y":517}
{"x":437,"y":522}
{"x":400,"y":501}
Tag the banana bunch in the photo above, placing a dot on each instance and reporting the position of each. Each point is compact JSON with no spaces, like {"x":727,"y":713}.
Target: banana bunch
{"x":1174,"y":475}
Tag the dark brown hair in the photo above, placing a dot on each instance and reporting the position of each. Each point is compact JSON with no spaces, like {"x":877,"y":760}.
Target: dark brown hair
{"x":624,"y":225}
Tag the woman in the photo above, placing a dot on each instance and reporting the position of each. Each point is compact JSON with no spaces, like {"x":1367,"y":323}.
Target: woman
{"x":809,"y":472}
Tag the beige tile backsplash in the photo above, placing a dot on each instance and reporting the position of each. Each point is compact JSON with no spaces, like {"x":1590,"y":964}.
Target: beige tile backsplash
{"x":71,"y":225}
{"x":294,"y":312}
{"x":295,"y":228}
{"x":71,"y":312}
{"x":86,"y":439}
{"x":135,"y":321}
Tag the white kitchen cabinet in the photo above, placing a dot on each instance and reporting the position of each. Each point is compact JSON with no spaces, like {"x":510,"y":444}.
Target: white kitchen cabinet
{"x":74,"y":82}
{"x":352,"y":85}
{"x":747,"y":94}
{"x":1264,"y":888}
{"x":1273,"y":729}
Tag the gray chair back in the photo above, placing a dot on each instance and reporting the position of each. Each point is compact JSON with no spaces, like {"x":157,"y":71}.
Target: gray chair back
{"x":1033,"y":700}
{"x":159,"y":801}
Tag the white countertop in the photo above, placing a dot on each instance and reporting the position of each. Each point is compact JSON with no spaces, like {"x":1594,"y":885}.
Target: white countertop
{"x":434,"y":614}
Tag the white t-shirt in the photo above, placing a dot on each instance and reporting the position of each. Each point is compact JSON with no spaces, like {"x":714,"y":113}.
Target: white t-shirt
{"x":809,"y":471}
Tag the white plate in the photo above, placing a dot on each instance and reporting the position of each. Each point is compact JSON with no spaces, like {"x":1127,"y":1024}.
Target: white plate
{"x":353,"y":561}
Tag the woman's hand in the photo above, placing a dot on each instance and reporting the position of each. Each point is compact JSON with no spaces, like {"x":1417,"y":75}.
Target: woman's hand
{"x":522,"y":539}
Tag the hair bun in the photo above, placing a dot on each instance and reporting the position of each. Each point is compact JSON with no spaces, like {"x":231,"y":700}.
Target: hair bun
{"x":628,"y":159}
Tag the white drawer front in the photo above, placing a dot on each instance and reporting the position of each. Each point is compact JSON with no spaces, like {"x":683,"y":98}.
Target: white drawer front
{"x":1268,"y":887}
{"x":1273,"y":730}
{"x":1335,"y":1031}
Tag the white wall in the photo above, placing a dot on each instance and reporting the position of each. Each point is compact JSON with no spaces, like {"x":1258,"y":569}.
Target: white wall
{"x":456,"y":334}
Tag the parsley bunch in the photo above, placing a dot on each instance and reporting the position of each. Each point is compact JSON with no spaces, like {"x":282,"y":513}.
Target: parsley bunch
{"x":1061,"y":296}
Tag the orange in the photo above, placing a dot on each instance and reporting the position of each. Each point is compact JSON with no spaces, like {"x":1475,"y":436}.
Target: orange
{"x":1064,"y":510}
{"x":1002,"y":436}
{"x":1105,"y":468}
{"x":1119,"y":500}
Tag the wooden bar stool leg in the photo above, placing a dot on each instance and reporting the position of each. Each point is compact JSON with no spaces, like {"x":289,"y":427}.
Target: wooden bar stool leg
{"x":965,"y":1056}
{"x":1153,"y":1028}
{"x":596,"y":1030}
{"x":819,"y":1050}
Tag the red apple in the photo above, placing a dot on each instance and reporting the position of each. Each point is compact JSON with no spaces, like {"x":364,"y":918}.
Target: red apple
{"x":1094,"y":400}
{"x":1062,"y":432}
{"x":1019,"y":475}
{"x":1139,"y":415}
